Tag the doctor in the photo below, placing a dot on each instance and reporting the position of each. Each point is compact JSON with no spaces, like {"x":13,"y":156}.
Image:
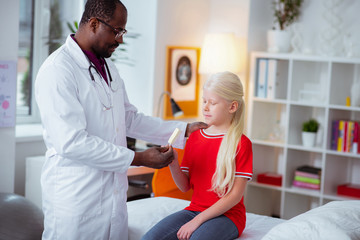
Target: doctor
{"x":86,"y":116}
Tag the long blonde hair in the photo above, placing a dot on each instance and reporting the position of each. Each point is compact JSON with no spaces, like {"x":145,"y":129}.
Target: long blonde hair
{"x":228,"y":86}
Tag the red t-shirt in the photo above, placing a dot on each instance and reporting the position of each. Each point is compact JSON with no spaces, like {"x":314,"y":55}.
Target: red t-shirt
{"x":200,"y":162}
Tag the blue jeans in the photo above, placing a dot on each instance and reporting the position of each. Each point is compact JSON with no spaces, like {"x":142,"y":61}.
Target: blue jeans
{"x":217,"y":228}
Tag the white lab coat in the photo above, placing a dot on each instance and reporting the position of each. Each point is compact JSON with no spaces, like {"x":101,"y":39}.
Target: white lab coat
{"x":84,"y":180}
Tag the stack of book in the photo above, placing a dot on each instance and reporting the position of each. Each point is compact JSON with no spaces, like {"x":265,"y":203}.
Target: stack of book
{"x":345,"y":136}
{"x":307,"y":177}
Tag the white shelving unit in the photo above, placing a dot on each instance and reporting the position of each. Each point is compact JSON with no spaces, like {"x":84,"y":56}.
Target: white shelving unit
{"x":274,"y":126}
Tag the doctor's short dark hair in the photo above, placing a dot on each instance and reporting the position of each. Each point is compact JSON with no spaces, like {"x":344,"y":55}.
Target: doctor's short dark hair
{"x":103,"y":9}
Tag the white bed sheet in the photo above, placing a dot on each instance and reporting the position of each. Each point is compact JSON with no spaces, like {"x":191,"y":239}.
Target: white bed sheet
{"x":145,"y":213}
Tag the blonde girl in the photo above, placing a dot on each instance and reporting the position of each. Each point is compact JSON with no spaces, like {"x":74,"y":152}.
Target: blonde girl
{"x":217,"y":164}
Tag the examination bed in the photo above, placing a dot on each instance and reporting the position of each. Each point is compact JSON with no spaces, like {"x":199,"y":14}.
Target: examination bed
{"x":334,"y":220}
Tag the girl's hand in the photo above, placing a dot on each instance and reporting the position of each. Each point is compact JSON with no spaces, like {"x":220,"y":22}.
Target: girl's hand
{"x":187,"y":229}
{"x":175,"y":161}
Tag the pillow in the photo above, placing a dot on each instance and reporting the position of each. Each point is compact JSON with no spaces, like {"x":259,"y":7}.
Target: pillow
{"x":334,"y":220}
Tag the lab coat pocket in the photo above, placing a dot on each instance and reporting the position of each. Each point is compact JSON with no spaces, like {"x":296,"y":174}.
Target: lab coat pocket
{"x":78,"y":191}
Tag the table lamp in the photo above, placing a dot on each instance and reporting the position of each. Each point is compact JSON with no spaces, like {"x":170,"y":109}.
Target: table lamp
{"x":176,"y":110}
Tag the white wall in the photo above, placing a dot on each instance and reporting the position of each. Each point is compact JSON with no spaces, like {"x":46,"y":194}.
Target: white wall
{"x":163,"y":23}
{"x":71,"y":11}
{"x":312,"y":24}
{"x":139,"y":77}
{"x":229,"y":16}
{"x":185,"y":23}
{"x":232,"y":16}
{"x":160,"y":23}
{"x":9,"y":16}
{"x":179,"y":23}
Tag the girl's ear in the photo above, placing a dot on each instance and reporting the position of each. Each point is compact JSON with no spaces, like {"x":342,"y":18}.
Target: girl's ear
{"x":234,"y":106}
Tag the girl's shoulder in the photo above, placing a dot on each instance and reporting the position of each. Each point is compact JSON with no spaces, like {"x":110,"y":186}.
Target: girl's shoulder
{"x":245,"y":138}
{"x":194,"y":135}
{"x":245,"y":141}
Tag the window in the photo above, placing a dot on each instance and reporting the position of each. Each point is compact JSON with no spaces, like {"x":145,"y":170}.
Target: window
{"x":25,"y":54}
{"x":43,"y":28}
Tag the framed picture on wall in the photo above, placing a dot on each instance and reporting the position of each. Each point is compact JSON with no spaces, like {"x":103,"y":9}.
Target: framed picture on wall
{"x":182,"y":80}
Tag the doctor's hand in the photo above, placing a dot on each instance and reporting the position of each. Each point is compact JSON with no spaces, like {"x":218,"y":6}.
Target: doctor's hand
{"x":155,"y":157}
{"x":192,"y":127}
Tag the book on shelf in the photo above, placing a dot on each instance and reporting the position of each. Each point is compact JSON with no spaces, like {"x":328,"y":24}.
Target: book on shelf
{"x":306,"y":174}
{"x":272,"y":79}
{"x":261,"y":78}
{"x":309,"y":169}
{"x":306,"y":185}
{"x":340,"y":139}
{"x":266,"y":78}
{"x":345,"y":146}
{"x":350,"y":136}
{"x":307,"y":179}
{"x":334,"y":134}
{"x":345,"y":136}
{"x":356,"y":143}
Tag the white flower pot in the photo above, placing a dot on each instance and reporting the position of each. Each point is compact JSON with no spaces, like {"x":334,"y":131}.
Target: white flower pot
{"x":278,"y":41}
{"x":308,"y":139}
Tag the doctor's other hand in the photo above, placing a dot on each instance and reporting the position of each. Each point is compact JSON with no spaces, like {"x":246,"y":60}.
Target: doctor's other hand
{"x":192,"y":127}
{"x":155,"y":157}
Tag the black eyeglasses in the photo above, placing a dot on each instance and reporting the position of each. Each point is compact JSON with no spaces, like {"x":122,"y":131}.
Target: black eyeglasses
{"x":119,"y":32}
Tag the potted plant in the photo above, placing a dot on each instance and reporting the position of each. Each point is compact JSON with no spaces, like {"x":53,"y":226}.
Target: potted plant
{"x":286,"y":12}
{"x":309,"y":130}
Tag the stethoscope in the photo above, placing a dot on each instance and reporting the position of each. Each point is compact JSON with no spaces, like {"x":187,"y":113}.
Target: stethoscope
{"x":103,"y":91}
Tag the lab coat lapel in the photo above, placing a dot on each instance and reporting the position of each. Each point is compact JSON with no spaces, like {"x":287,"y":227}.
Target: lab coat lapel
{"x":76,"y":53}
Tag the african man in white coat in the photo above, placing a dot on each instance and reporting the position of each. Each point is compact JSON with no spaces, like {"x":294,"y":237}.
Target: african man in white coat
{"x":86,"y":116}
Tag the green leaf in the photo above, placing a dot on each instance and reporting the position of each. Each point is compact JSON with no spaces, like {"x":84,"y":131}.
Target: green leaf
{"x":286,"y":12}
{"x":70,"y":27}
{"x":311,"y":126}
